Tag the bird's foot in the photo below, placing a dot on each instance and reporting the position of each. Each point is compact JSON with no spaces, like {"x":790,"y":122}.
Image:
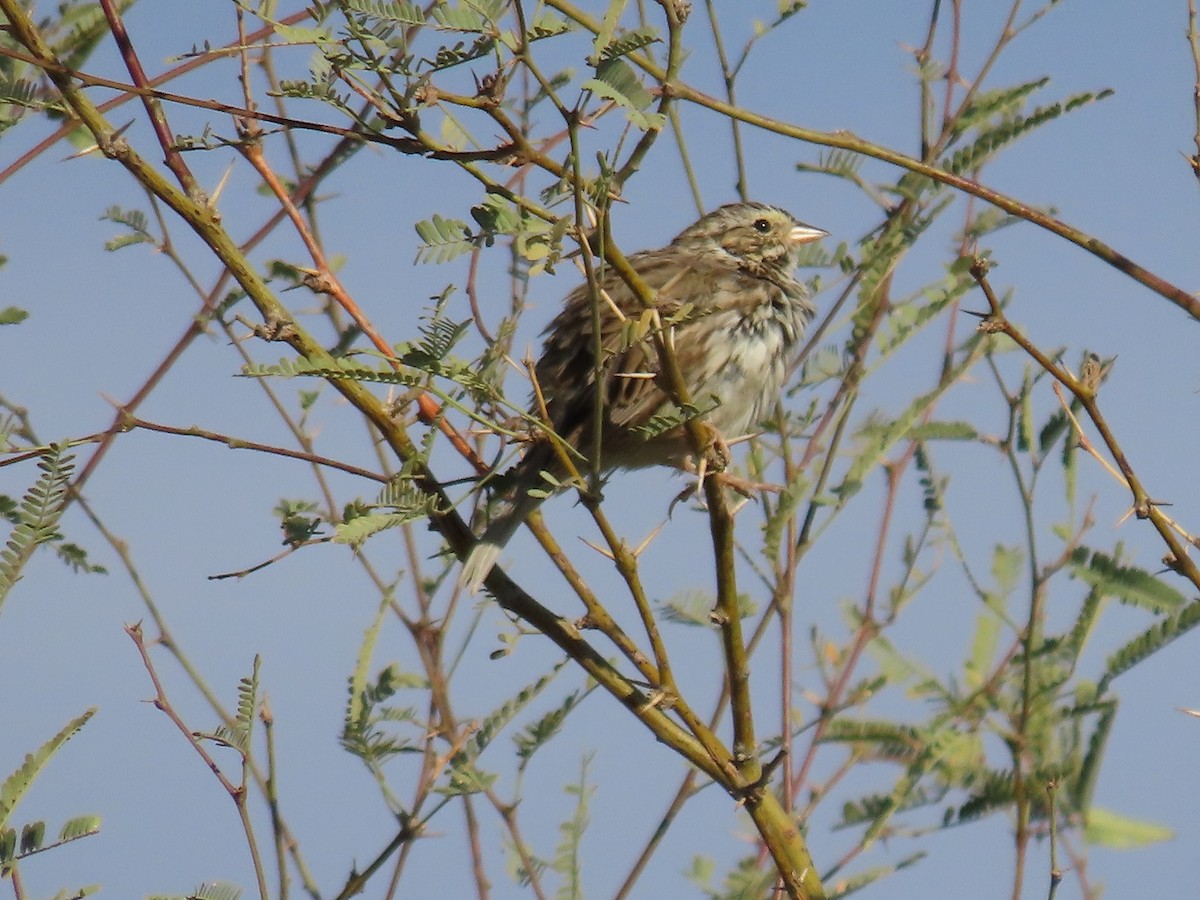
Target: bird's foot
{"x":747,"y":487}
{"x":717,"y":455}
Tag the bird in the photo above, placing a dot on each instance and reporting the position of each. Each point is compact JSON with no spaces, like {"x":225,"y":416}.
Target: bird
{"x":727,"y":285}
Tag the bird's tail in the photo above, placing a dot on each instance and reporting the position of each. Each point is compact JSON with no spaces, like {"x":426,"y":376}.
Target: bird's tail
{"x":483,"y":555}
{"x":479,"y":562}
{"x":514,"y":507}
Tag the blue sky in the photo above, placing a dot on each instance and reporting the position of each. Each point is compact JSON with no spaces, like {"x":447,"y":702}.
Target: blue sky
{"x":99,"y":323}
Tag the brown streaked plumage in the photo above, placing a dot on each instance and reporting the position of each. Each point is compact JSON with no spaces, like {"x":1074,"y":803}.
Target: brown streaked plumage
{"x":748,"y":313}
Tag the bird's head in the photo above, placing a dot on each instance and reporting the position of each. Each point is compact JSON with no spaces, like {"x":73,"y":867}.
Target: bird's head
{"x":754,"y":236}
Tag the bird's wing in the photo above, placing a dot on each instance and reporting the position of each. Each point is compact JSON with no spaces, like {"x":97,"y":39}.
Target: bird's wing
{"x":632,"y":397}
{"x":566,"y":370}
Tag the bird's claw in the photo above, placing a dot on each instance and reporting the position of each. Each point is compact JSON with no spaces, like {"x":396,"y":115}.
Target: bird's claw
{"x":747,"y":487}
{"x":717,"y":455}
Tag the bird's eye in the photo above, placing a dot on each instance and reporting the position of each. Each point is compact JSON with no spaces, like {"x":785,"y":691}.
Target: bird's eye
{"x":762,"y":226}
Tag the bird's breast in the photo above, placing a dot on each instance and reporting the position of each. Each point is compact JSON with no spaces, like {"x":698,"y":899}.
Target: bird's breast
{"x":745,"y":362}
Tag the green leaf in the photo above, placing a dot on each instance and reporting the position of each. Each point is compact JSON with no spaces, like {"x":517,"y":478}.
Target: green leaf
{"x":536,"y":735}
{"x":216,"y":890}
{"x":388,"y":11}
{"x":615,"y":80}
{"x":332,"y":369}
{"x":79,"y":827}
{"x":1149,"y":642}
{"x":499,"y":215}
{"x":1025,"y":417}
{"x":318,"y":89}
{"x":37,"y":517}
{"x":12,"y":315}
{"x":438,"y":337}
{"x":893,"y":665}
{"x":474,"y":16}
{"x":367,"y":712}
{"x":1129,"y":584}
{"x":933,"y":488}
{"x":545,"y":25}
{"x":943,"y":431}
{"x":247,"y":709}
{"x":500,"y":717}
{"x":992,"y":103}
{"x":300,"y":35}
{"x":32,"y":836}
{"x":356,"y":532}
{"x":209,"y":890}
{"x":444,"y":239}
{"x":823,"y":364}
{"x":77,"y":893}
{"x":608,"y":27}
{"x":568,"y":860}
{"x":112,"y":245}
{"x":461,"y":52}
{"x":983,"y":649}
{"x":992,"y":790}
{"x":1083,"y":786}
{"x":748,"y":880}
{"x":908,"y":318}
{"x":887,"y":740}
{"x":17,"y":784}
{"x":21,"y":93}
{"x":991,"y":140}
{"x":838,"y":163}
{"x":82,"y":28}
{"x":786,"y":503}
{"x":700,"y":873}
{"x":1117,"y":832}
{"x":674,"y":418}
{"x":860,"y":880}
{"x":630,"y":42}
{"x":695,"y":607}
{"x":1006,"y":568}
{"x":465,"y":778}
{"x":134,"y":220}
{"x":878,"y":438}
{"x":358,"y":705}
{"x":1056,"y":426}
{"x":76,"y":558}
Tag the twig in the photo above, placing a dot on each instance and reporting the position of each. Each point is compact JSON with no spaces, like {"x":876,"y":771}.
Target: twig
{"x":1193,"y":36}
{"x":154,"y":110}
{"x":729,"y":76}
{"x":236,"y":792}
{"x":1143,"y":506}
{"x":132,"y":422}
{"x":200,"y":59}
{"x":430,"y":412}
{"x":847,"y":141}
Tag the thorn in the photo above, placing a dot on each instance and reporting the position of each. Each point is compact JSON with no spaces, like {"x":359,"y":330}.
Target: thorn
{"x":94,"y":147}
{"x":654,"y":700}
{"x":215,"y":195}
{"x":637,"y":551}
{"x":601,"y":550}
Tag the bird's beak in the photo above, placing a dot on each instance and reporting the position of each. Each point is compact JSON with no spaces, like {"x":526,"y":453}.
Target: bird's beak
{"x":805,"y":234}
